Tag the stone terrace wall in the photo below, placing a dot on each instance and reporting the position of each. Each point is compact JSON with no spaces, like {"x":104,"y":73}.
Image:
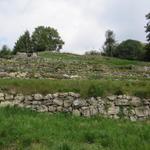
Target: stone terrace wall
{"x":122,"y":106}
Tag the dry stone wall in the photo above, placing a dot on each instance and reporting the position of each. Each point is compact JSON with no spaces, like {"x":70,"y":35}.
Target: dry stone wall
{"x":122,"y":106}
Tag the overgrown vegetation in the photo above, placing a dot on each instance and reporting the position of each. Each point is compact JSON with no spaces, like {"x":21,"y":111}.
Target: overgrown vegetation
{"x":24,"y":129}
{"x":87,"y":88}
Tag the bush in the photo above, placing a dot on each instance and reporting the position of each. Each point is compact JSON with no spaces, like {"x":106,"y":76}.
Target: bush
{"x":5,"y":52}
{"x":92,"y":52}
{"x":130,"y":49}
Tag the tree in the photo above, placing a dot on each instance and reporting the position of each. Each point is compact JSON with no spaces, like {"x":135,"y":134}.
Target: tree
{"x":23,"y":44}
{"x":5,"y":52}
{"x":130,"y":49}
{"x":110,"y":43}
{"x":46,"y":39}
{"x":147,"y":54}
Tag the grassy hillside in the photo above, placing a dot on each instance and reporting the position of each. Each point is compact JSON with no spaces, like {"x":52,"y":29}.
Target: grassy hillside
{"x":23,"y":129}
{"x":61,"y":66}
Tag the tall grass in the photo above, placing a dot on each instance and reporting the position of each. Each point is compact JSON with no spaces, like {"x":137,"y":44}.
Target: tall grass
{"x":24,"y":129}
{"x":87,"y":88}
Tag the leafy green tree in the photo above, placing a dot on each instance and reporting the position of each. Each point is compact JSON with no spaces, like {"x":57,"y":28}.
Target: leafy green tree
{"x":5,"y":52}
{"x":110,"y":43}
{"x":147,"y":54}
{"x":46,"y":39}
{"x":23,"y":44}
{"x":130,"y":49}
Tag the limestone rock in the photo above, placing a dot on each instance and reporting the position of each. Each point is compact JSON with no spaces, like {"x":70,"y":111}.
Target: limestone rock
{"x":67,"y":103}
{"x":112,"y":98}
{"x":42,"y":108}
{"x":38,"y":97}
{"x":48,"y":97}
{"x":136,"y":101}
{"x":141,"y":112}
{"x":75,"y":95}
{"x":19,"y":97}
{"x":93,"y":110}
{"x":58,"y":102}
{"x":9,"y":97}
{"x":86,"y":112}
{"x":51,"y":109}
{"x":2,"y":97}
{"x":113,"y":110}
{"x":28,"y":98}
{"x":122,"y":102}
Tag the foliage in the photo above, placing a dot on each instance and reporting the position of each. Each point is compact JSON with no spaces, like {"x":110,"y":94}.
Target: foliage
{"x":46,"y":39}
{"x":23,"y":44}
{"x":130,"y":49}
{"x":147,"y":55}
{"x":25,"y":129}
{"x":5,"y":52}
{"x":92,"y":52}
{"x":110,"y":43}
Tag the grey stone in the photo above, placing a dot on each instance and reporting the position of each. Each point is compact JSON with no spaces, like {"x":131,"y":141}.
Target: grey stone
{"x":113,"y":110}
{"x":59,"y":109}
{"x":141,"y":111}
{"x":2,"y":97}
{"x":42,"y":108}
{"x":19,"y":97}
{"x":75,"y":95}
{"x":77,"y":103}
{"x":122,"y":102}
{"x":93,"y":101}
{"x":56,"y":95}
{"x":67,"y":103}
{"x":93,"y":110}
{"x":52,"y":109}
{"x":6,"y":103}
{"x":136,"y":101}
{"x":112,"y":98}
{"x":38,"y":97}
{"x":9,"y":97}
{"x":86,"y":112}
{"x":36,"y":103}
{"x":58,"y":102}
{"x":48,"y":97}
{"x":28,"y":98}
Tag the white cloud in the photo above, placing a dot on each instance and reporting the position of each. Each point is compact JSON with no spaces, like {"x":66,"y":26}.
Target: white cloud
{"x":81,"y":23}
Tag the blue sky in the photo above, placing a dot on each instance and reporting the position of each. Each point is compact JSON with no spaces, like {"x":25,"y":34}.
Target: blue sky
{"x":81,"y":23}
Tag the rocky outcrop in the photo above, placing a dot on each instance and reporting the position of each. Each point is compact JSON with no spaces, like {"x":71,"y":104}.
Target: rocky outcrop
{"x":121,"y":106}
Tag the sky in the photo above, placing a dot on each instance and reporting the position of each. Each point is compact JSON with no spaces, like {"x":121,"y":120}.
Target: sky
{"x":81,"y":23}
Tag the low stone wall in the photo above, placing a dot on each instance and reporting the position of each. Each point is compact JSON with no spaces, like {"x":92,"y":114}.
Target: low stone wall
{"x":122,"y":106}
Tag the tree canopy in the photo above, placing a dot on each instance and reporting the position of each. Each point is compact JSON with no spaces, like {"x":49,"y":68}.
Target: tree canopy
{"x":42,"y":39}
{"x":110,"y":43}
{"x":130,"y":49}
{"x":147,"y":56}
{"x":23,"y":44}
{"x":46,"y":39}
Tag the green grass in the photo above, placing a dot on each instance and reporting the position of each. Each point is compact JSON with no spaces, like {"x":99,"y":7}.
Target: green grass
{"x":90,"y":59}
{"x":86,"y":88}
{"x":23,"y":129}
